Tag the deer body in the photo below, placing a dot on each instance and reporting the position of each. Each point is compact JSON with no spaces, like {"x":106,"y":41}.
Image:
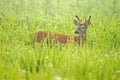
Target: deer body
{"x":49,"y":37}
{"x":43,"y":35}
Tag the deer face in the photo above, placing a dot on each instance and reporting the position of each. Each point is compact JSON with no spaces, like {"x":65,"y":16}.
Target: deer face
{"x":81,"y":27}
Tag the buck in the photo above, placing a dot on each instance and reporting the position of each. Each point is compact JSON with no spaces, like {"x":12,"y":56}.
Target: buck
{"x":47,"y":36}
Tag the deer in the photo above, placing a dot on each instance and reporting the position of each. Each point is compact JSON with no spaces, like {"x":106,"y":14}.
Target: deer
{"x":47,"y":36}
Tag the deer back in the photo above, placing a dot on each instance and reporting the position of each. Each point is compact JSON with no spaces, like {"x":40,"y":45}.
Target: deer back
{"x":47,"y":36}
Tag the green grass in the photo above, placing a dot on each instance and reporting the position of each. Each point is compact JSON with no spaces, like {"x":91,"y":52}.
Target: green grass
{"x":98,"y":59}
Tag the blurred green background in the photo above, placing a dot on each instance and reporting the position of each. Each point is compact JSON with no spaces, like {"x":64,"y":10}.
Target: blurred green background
{"x":99,"y":59}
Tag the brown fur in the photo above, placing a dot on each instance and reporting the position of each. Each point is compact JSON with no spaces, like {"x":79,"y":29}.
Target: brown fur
{"x":50,"y":37}
{"x":43,"y":35}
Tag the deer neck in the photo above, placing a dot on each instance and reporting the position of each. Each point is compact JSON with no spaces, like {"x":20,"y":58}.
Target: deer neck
{"x":83,"y":37}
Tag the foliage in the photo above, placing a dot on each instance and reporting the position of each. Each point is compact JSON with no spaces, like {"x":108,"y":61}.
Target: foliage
{"x":21,"y":59}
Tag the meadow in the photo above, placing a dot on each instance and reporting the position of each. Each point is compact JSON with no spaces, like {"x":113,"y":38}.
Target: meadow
{"x":23,"y":59}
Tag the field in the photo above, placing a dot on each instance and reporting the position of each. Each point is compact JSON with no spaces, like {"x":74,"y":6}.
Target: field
{"x":23,"y":59}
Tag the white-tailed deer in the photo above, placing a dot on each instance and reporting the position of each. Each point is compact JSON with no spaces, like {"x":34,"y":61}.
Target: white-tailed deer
{"x":81,"y":30}
{"x":47,"y":36}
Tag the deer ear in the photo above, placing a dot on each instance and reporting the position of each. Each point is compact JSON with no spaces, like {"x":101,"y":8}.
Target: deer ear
{"x":87,"y":22}
{"x":76,"y":22}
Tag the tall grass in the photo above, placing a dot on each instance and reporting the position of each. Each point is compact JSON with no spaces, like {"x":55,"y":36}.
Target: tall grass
{"x":99,"y":59}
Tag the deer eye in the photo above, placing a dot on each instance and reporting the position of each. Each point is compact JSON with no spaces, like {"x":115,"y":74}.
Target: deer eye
{"x":83,"y":27}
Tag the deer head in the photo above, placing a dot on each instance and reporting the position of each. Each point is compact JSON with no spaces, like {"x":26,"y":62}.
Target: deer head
{"x":82,"y":27}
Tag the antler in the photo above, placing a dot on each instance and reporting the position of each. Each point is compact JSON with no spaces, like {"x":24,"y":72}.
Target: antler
{"x":78,"y":18}
{"x":87,"y":22}
{"x":78,"y":21}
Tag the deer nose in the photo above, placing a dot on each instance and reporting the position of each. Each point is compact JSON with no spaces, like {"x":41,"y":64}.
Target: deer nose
{"x":76,"y":32}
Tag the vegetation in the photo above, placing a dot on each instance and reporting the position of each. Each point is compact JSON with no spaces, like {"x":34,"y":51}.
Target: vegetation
{"x":22,"y":59}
